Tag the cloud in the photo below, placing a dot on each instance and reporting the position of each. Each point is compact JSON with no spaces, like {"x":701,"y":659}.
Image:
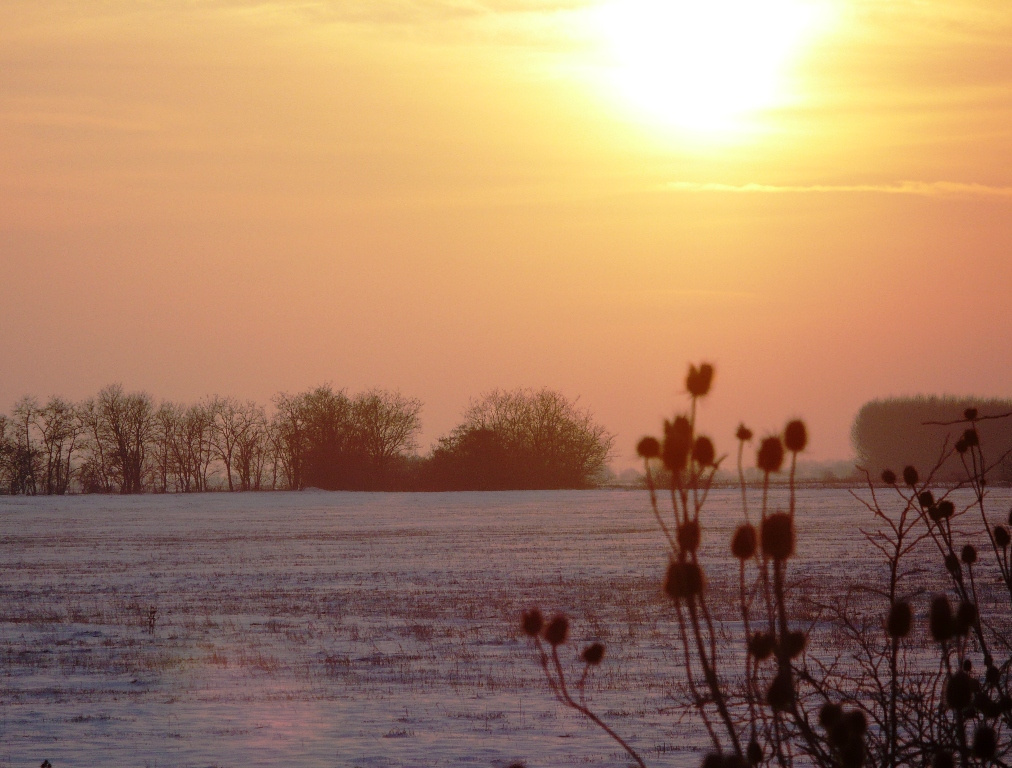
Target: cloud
{"x":29,"y":15}
{"x":400,"y":11}
{"x":916,"y":188}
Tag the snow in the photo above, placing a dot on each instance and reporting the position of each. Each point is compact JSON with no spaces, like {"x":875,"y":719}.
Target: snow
{"x":351,"y":629}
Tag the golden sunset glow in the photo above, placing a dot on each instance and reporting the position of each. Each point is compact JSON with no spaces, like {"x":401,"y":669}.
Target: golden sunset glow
{"x":443,"y":198}
{"x":706,"y":67}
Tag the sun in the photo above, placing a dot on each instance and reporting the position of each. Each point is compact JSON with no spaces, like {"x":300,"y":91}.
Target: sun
{"x":705,"y":66}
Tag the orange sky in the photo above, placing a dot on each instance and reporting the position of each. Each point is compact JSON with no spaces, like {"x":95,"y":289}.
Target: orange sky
{"x":443,"y":197}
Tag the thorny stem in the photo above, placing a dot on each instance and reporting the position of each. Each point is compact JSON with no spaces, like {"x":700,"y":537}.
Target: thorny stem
{"x":690,"y":679}
{"x":766,"y":491}
{"x":794,"y":465}
{"x":761,"y":558}
{"x":694,"y":476}
{"x":710,"y":674}
{"x":558,"y":686}
{"x":655,"y":509}
{"x":892,"y":746}
{"x":741,"y":479}
{"x":752,"y":687}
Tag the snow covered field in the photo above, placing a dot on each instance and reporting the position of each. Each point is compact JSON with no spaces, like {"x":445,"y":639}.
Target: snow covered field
{"x":339,"y":629}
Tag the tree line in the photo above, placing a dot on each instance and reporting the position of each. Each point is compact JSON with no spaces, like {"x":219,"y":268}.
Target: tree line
{"x":125,"y":442}
{"x":900,"y":431}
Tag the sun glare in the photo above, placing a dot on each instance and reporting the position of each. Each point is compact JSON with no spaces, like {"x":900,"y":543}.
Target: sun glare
{"x":705,"y":67}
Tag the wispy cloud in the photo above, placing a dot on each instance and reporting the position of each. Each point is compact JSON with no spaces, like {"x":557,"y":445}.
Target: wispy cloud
{"x":352,"y":12}
{"x":402,"y":11}
{"x":916,"y":188}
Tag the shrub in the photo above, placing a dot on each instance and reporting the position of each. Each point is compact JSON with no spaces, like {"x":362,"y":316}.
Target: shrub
{"x":522,"y":439}
{"x":897,"y":693}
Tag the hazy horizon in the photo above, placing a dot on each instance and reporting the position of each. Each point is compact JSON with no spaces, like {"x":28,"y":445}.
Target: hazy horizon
{"x":242,"y":198}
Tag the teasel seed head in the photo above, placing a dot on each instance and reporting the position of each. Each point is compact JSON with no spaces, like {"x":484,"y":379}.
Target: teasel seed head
{"x":703,"y":451}
{"x":959,"y":691}
{"x":971,"y":438}
{"x":1001,"y":536}
{"x":795,"y":436}
{"x":940,"y":619}
{"x":966,"y":617}
{"x":992,"y":675}
{"x":794,"y":643}
{"x":926,"y":499}
{"x":593,"y":654}
{"x":771,"y":455}
{"x":532,"y":621}
{"x":648,"y":448}
{"x":744,"y":434}
{"x":888,"y":477}
{"x":684,"y":581}
{"x":830,"y":714}
{"x":557,"y":630}
{"x":970,"y":414}
{"x":743,"y":543}
{"x":699,"y":379}
{"x":689,"y":536}
{"x":857,"y":723}
{"x":777,"y":536}
{"x":910,"y":476}
{"x":969,"y":554}
{"x":848,"y":738}
{"x":985,"y":743}
{"x":780,"y":694}
{"x":900,"y":620}
{"x":838,"y":733}
{"x":677,"y":443}
{"x":760,"y":645}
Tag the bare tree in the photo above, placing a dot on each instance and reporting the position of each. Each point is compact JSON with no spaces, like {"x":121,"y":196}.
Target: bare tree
{"x":231,"y":420}
{"x":386,"y":425}
{"x":187,"y":431}
{"x":26,"y":455}
{"x":161,"y":450}
{"x":119,"y":442}
{"x":120,"y":429}
{"x":59,"y":428}
{"x":6,"y":453}
{"x":289,"y":434}
{"x":198,"y":432}
{"x":95,"y":471}
{"x":252,"y":445}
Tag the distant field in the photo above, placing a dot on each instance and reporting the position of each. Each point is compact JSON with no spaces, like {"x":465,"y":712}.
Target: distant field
{"x":340,"y":629}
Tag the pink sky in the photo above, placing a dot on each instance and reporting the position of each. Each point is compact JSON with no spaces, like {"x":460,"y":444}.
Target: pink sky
{"x":242,"y":197}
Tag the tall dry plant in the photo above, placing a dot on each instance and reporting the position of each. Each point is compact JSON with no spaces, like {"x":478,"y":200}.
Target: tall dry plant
{"x":889,"y":690}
